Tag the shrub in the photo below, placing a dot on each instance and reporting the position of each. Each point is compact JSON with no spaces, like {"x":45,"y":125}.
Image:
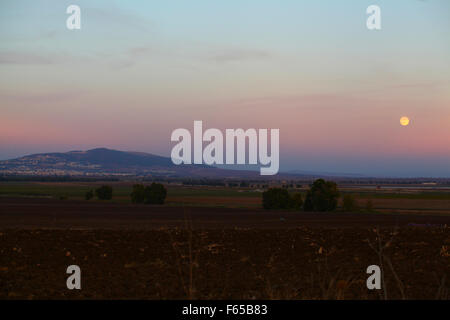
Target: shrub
{"x":279,"y":198}
{"x":104,"y":192}
{"x":89,"y":195}
{"x":276,"y":198}
{"x":349,"y":203}
{"x":297,"y":201}
{"x":138,"y":193}
{"x":155,"y":194}
{"x":322,"y":196}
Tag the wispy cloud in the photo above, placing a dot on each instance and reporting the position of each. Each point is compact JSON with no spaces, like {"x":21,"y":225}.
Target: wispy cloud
{"x":107,"y":16}
{"x":31,"y":58}
{"x":236,"y":55}
{"x":10,"y":57}
{"x":46,"y":97}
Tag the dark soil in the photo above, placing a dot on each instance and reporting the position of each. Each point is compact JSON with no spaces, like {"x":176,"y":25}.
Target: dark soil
{"x":32,"y":213}
{"x":138,"y":252}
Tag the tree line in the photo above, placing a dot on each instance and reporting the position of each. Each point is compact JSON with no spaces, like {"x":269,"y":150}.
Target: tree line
{"x":151,"y":194}
{"x":322,"y":196}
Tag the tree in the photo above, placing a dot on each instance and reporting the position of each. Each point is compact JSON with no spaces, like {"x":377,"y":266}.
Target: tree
{"x":276,"y":198}
{"x":89,"y":195}
{"x":279,"y":198}
{"x":155,"y":194}
{"x":349,"y":203}
{"x":104,"y":192}
{"x":138,"y":193}
{"x":322,"y":196}
{"x":297,"y":201}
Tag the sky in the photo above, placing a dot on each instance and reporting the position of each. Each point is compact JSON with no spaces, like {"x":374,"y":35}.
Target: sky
{"x":137,"y":70}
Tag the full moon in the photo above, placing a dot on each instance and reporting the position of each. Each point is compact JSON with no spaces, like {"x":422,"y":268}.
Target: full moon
{"x":404,"y":121}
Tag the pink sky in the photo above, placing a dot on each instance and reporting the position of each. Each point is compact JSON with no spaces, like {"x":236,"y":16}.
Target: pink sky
{"x":335,"y":90}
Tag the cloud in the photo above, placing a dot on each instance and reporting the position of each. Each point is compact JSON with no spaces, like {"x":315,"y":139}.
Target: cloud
{"x":10,"y":57}
{"x":417,"y":85}
{"x":129,"y":57}
{"x":30,"y":58}
{"x":236,"y":55}
{"x":140,"y":51}
{"x":47,"y":97}
{"x":108,"y":16}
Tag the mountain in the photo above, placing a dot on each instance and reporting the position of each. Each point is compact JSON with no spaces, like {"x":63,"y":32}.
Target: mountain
{"x":108,"y":162}
{"x":102,"y":161}
{"x":325,"y":174}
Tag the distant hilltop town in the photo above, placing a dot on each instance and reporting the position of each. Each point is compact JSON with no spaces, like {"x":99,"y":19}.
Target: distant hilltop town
{"x":105,"y":163}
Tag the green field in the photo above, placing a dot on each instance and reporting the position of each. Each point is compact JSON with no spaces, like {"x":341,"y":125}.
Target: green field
{"x":78,"y":190}
{"x":405,"y":199}
{"x":423,"y":195}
